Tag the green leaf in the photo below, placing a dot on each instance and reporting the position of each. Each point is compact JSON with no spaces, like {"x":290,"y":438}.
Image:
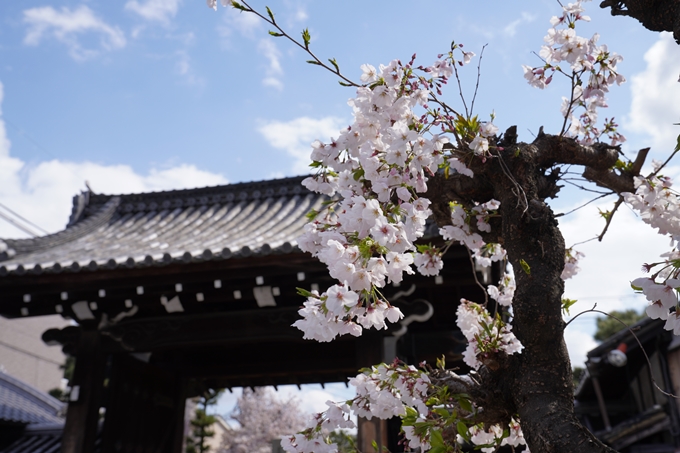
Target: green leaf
{"x":677,"y":147}
{"x":335,"y":65}
{"x":436,"y":439}
{"x":303,"y":292}
{"x":605,"y":214}
{"x":636,"y":288}
{"x":441,"y":362}
{"x":238,"y":6}
{"x":567,"y":303}
{"x":465,"y":404}
{"x":525,"y":267}
{"x":306,"y":37}
{"x":441,"y":412}
{"x":311,"y":215}
{"x":462,"y":430}
{"x":374,"y":444}
{"x":314,"y":62}
{"x":438,"y":449}
{"x":275,"y":34}
{"x":271,"y":15}
{"x":345,"y":84}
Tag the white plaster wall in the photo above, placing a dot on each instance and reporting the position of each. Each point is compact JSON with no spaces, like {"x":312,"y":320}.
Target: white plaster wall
{"x":23,"y":354}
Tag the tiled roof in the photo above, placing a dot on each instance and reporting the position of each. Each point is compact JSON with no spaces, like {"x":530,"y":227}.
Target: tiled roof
{"x":157,"y":228}
{"x":38,"y":439}
{"x":21,"y":403}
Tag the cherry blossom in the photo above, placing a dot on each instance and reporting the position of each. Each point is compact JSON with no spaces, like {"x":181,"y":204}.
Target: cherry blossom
{"x":593,"y":71}
{"x":571,"y":260}
{"x":486,"y":335}
{"x":658,"y":206}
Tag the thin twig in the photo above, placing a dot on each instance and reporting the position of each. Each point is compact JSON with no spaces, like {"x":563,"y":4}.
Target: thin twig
{"x":568,"y":181}
{"x":508,"y":173}
{"x":571,"y":104}
{"x":474,"y":273}
{"x":460,"y":90}
{"x":583,"y":205}
{"x":609,"y":218}
{"x":584,"y":242}
{"x":654,"y":173}
{"x":479,"y":75}
{"x":304,"y":47}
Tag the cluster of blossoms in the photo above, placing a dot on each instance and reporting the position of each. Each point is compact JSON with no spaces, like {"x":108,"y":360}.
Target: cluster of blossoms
{"x":505,"y":291}
{"x":490,"y":438}
{"x":460,"y":230}
{"x":383,"y":391}
{"x":388,"y":390}
{"x":593,"y":71}
{"x":659,"y":206}
{"x":480,"y":144}
{"x":486,"y":335}
{"x":374,"y":171}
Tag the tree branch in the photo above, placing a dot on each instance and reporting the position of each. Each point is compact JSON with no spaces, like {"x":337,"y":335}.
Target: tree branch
{"x":553,"y":149}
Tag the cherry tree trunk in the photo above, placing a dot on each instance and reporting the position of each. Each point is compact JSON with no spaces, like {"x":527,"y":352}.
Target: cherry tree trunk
{"x":536,"y":384}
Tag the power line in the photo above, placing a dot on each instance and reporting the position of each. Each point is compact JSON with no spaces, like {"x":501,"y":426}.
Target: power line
{"x":23,"y":219}
{"x":24,"y":228}
{"x":18,"y":225}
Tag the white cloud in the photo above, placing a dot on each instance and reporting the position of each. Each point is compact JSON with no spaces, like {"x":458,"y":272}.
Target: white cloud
{"x":154,"y":10}
{"x":245,"y":24}
{"x":301,"y":15}
{"x":295,"y":137}
{"x":67,"y":27}
{"x":274,"y":69}
{"x":248,"y":25}
{"x":183,"y":68}
{"x":656,"y":95}
{"x":43,"y":193}
{"x":511,"y":29}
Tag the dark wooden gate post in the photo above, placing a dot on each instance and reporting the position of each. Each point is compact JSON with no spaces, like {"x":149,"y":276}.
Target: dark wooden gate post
{"x":82,"y":417}
{"x":370,"y":352}
{"x":145,"y":409}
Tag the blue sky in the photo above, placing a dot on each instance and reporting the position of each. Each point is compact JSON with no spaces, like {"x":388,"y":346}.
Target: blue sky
{"x":152,"y":95}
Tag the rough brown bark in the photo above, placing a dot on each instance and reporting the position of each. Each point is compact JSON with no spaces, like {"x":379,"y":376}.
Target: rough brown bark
{"x":535,"y":384}
{"x":654,"y":15}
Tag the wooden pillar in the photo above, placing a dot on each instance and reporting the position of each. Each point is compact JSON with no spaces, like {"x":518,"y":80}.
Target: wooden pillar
{"x":370,"y":352}
{"x":82,"y":416}
{"x":369,"y":431}
{"x":179,"y":413}
{"x":145,"y":408}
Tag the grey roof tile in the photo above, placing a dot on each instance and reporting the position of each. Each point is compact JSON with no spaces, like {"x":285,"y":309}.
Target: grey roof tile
{"x":158,"y":228}
{"x":22,"y":403}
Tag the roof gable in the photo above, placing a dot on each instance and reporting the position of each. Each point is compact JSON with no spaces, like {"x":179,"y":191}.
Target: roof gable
{"x":156,"y":228}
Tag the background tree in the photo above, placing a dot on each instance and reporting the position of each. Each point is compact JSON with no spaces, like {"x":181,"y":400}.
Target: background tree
{"x":262,"y":417}
{"x":608,"y":326}
{"x":202,"y":422}
{"x":67,"y":367}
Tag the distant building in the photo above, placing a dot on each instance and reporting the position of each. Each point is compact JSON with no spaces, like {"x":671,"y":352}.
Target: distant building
{"x":30,"y":420}
{"x":618,"y":399}
{"x":25,"y":356}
